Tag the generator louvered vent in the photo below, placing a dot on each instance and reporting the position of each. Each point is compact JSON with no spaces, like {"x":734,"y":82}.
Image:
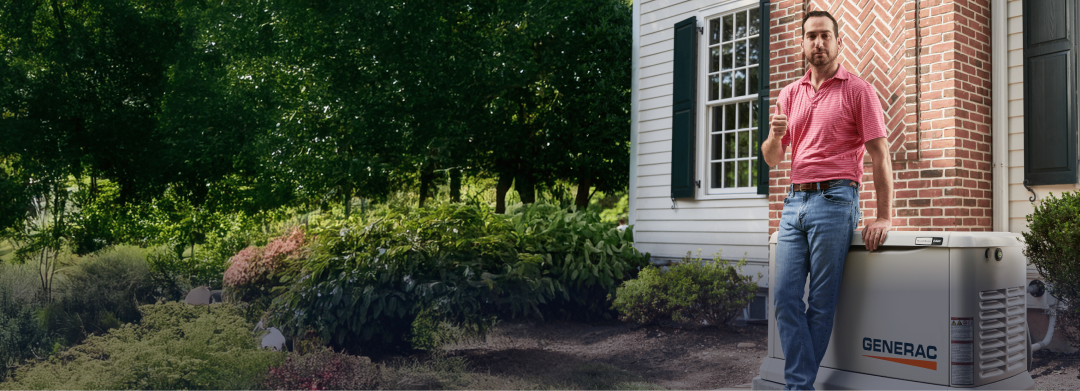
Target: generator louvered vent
{"x":1001,"y":331}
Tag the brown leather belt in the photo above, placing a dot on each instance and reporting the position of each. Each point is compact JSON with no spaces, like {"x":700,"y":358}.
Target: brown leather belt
{"x":820,"y":185}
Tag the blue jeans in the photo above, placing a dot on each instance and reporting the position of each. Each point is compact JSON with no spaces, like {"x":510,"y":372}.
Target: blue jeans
{"x":815,"y":232}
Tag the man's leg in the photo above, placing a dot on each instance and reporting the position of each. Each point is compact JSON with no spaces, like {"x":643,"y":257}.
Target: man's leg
{"x":830,"y":223}
{"x":792,"y":266}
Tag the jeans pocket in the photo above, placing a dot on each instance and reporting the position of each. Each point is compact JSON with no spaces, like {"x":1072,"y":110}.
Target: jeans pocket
{"x":838,"y":195}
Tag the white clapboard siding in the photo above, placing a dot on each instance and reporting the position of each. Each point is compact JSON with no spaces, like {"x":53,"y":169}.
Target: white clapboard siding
{"x":736,"y":226}
{"x":1019,"y":205}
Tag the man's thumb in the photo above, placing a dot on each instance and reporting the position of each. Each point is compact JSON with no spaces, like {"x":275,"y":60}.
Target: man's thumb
{"x":779,"y":107}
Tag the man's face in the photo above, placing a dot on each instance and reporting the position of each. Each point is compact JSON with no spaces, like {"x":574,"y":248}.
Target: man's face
{"x":820,"y":44}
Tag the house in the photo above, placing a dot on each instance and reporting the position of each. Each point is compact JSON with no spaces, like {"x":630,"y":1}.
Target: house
{"x":981,"y":117}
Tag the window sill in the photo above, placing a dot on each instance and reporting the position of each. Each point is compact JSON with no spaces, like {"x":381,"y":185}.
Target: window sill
{"x":730,"y":196}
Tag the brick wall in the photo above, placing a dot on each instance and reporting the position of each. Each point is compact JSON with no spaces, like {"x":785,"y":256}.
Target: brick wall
{"x":938,"y":113}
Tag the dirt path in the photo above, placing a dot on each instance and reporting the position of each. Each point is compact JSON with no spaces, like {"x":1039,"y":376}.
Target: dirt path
{"x":672,"y":357}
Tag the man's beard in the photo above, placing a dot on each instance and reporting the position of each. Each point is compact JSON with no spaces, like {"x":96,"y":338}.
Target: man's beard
{"x":818,"y":61}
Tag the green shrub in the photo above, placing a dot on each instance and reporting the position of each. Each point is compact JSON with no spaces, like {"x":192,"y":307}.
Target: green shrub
{"x":1053,"y":246}
{"x":692,"y":291}
{"x":100,"y":293}
{"x":176,"y":346}
{"x":587,"y":256}
{"x":364,"y":286}
{"x":21,"y":334}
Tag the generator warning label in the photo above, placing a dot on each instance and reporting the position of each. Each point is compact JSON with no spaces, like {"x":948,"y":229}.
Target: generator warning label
{"x":961,"y":351}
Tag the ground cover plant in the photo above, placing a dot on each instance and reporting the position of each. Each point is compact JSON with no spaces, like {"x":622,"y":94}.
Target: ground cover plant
{"x":176,"y":346}
{"x":693,"y":291}
{"x":1053,"y":246}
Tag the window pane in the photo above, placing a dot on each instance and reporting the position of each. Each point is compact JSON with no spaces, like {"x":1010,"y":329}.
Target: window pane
{"x":744,"y":173}
{"x":752,"y":59}
{"x":753,"y":82}
{"x":740,"y":54}
{"x":729,"y":117}
{"x":744,"y":115}
{"x":744,"y":144}
{"x":717,"y":147}
{"x":755,"y":20}
{"x":726,"y":85}
{"x":740,"y":83}
{"x":729,"y":174}
{"x":714,"y":32}
{"x":753,"y":173}
{"x":717,"y":119}
{"x":727,"y":56}
{"x":729,"y":28}
{"x":740,"y":25}
{"x":729,"y":145}
{"x":717,"y":177}
{"x":754,"y":113}
{"x":714,"y":59}
{"x":714,"y":85}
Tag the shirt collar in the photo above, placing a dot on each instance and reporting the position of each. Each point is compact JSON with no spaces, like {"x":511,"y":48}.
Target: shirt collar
{"x":841,"y":74}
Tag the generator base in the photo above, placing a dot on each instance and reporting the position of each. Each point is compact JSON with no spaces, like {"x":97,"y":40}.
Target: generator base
{"x":835,"y":379}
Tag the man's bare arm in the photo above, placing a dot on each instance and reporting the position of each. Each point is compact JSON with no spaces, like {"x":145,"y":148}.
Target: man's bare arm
{"x":875,"y":231}
{"x":773,"y":148}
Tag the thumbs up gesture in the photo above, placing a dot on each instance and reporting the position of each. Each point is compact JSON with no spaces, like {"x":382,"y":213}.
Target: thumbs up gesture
{"x":778,"y":124}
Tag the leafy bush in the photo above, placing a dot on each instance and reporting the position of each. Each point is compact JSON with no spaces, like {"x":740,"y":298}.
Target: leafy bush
{"x":178,"y":275}
{"x":21,"y":335}
{"x":323,"y":370}
{"x":100,"y":293}
{"x":176,"y":346}
{"x":692,"y":291}
{"x":588,"y":257}
{"x":366,"y":285}
{"x":253,"y":267}
{"x":1053,"y":246}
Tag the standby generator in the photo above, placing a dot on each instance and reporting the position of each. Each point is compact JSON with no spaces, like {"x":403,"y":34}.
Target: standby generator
{"x":927,"y":310}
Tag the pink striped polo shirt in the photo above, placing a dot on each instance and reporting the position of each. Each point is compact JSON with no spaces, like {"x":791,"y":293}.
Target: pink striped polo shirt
{"x":828,"y":128}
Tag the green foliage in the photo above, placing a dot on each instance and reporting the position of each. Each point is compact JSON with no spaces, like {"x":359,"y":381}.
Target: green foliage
{"x":176,"y":346}
{"x":367,"y":285}
{"x":1053,"y":246}
{"x":100,"y":293}
{"x":21,"y":334}
{"x":692,"y":291}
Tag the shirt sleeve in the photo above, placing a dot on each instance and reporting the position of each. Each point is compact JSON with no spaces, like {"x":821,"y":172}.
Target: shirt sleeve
{"x":783,"y":97}
{"x":869,"y":119}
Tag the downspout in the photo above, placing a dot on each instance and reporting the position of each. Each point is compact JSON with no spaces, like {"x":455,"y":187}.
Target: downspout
{"x":635,"y":49}
{"x":999,"y":110}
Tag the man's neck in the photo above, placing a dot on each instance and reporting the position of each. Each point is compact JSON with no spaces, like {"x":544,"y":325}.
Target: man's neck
{"x":825,"y":72}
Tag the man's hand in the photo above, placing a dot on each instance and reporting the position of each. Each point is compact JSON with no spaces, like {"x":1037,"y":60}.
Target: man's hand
{"x":778,"y":124}
{"x":773,"y":149}
{"x":874,"y":233}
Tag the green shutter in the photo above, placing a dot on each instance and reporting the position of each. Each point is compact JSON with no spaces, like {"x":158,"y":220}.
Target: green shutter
{"x":763,"y":100}
{"x":1050,"y":127}
{"x":683,"y":115}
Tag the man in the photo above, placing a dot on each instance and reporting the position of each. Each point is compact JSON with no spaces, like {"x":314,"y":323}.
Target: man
{"x":829,"y":118}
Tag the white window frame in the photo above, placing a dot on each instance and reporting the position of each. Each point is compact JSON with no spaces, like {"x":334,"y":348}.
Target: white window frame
{"x":704,"y":191}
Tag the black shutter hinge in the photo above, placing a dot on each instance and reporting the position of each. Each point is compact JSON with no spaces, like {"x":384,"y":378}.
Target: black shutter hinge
{"x":1033,"y":195}
{"x":698,"y":183}
{"x":701,"y":30}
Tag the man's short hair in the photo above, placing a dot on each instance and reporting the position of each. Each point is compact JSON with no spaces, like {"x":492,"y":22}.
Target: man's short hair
{"x":819,"y":13}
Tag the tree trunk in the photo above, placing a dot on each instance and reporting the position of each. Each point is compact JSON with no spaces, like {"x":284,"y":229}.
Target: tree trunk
{"x":348,"y":204}
{"x":425,"y":186}
{"x":583,"y":195}
{"x":503,"y":186}
{"x":526,"y":188}
{"x":455,"y":185}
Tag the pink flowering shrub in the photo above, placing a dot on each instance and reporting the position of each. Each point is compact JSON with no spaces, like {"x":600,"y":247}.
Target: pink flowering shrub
{"x":323,"y":370}
{"x":254,"y":265}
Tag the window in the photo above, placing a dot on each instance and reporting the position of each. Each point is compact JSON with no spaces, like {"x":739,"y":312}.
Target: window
{"x":718,"y":89}
{"x":731,"y":105}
